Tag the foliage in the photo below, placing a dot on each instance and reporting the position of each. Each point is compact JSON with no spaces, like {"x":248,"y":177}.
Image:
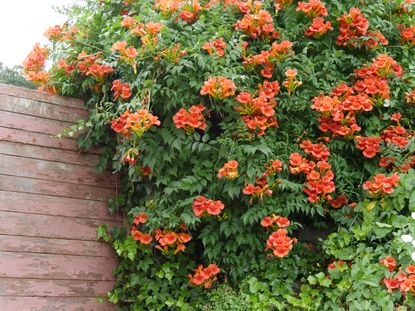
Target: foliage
{"x":272,"y":139}
{"x":13,"y":76}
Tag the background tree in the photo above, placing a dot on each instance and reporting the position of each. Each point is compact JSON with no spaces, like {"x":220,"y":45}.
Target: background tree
{"x":13,"y":76}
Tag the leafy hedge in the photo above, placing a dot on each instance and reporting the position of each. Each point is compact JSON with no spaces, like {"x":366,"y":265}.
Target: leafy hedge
{"x":266,"y":148}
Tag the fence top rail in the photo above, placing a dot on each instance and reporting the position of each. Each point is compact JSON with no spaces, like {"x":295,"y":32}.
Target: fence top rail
{"x":41,"y":96}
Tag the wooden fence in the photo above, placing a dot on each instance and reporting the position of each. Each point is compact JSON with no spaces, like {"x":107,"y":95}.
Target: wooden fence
{"x":51,"y":202}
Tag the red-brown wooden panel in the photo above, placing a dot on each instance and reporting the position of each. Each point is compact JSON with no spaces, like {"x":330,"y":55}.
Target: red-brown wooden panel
{"x":9,"y":243}
{"x":55,"y":171}
{"x":60,"y":189}
{"x":51,"y":203}
{"x":38,"y":139}
{"x":17,"y":287}
{"x":31,"y":124}
{"x":36,"y":225}
{"x":50,"y":154}
{"x":55,"y":206}
{"x":53,"y":304}
{"x":41,"y":109}
{"x":61,"y":267}
{"x":41,"y":96}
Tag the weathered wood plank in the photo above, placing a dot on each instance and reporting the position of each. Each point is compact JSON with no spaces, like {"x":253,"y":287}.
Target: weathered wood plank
{"x":54,"y":246}
{"x":55,"y":206}
{"x":38,"y":139}
{"x":50,"y":154}
{"x":47,"y":266}
{"x":41,"y":109}
{"x":53,"y":304}
{"x":41,"y":96}
{"x":31,"y":124}
{"x":35,"y":225}
{"x":60,"y":189}
{"x":18,"y":287}
{"x":55,"y":171}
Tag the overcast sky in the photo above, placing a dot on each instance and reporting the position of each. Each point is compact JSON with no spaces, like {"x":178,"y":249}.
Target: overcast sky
{"x":22,"y":24}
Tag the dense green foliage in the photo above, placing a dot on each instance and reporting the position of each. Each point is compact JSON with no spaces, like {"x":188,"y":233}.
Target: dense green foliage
{"x":167,"y":73}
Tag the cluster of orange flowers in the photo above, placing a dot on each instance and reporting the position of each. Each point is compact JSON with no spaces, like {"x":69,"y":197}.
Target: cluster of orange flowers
{"x":229,"y":170}
{"x":369,"y":145}
{"x":203,"y":206}
{"x":408,"y":35}
{"x":63,"y":64}
{"x":272,"y":167}
{"x":396,"y":135}
{"x":277,"y":53}
{"x":218,"y":87}
{"x":171,"y":242}
{"x":257,"y":191}
{"x":218,"y":45}
{"x":270,"y":221}
{"x":34,"y":64}
{"x":168,"y":241}
{"x":257,"y":23}
{"x":204,"y":277}
{"x":134,"y":122}
{"x":408,"y":162}
{"x":258,"y":112}
{"x":383,"y":66}
{"x":188,"y":9}
{"x":313,"y":8}
{"x":127,"y":54}
{"x":121,"y":90}
{"x":318,"y":28}
{"x":143,"y":238}
{"x":278,"y":242}
{"x":91,"y":65}
{"x":353,"y":27}
{"x":317,"y":151}
{"x":381,"y":184}
{"x":319,"y":176}
{"x":403,"y":280}
{"x":338,"y":111}
{"x":148,"y":33}
{"x":191,"y":119}
{"x":61,"y":33}
{"x":262,"y":187}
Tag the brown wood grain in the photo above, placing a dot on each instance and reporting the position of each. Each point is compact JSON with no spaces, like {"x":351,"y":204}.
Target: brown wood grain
{"x":35,"y":108}
{"x":50,"y":154}
{"x":36,"y":225}
{"x":53,"y":304}
{"x":10,"y":243}
{"x":32,"y":124}
{"x":38,"y":139}
{"x":59,"y":189}
{"x":62,"y":267}
{"x":18,"y":287}
{"x":54,"y":171}
{"x":21,"y":92}
{"x":51,"y":202}
{"x":55,"y":206}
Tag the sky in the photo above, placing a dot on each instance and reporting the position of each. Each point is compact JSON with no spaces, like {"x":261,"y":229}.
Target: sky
{"x":22,"y":24}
